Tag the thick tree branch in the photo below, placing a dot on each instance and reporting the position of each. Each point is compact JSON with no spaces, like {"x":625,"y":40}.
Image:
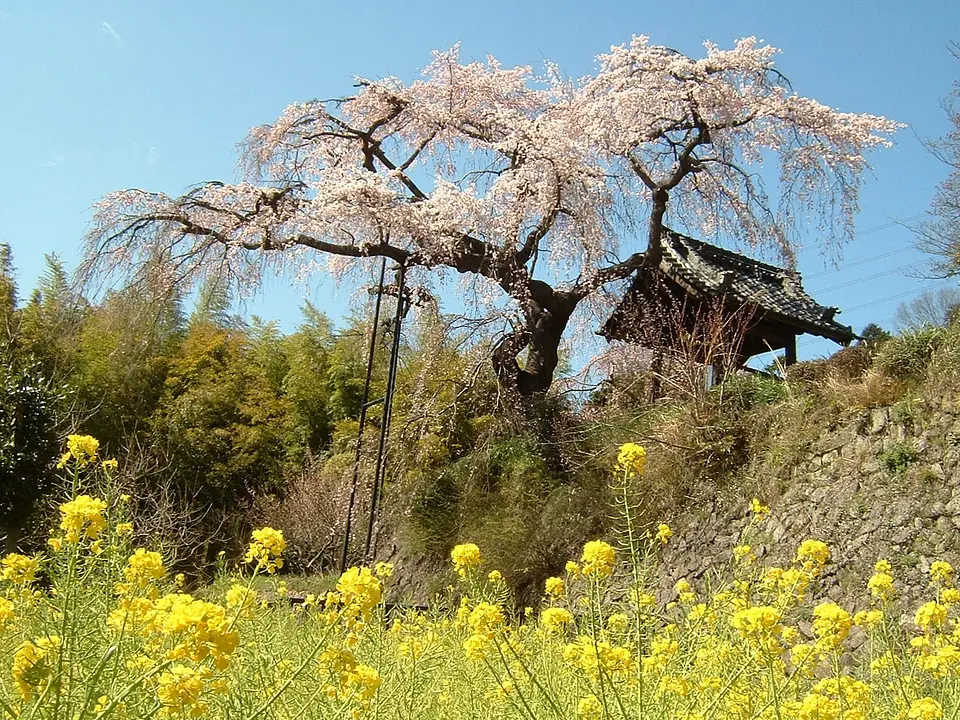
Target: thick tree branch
{"x":619,"y":271}
{"x":532,"y":242}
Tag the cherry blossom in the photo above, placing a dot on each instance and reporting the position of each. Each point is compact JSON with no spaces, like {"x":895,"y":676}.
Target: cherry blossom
{"x":546,"y":189}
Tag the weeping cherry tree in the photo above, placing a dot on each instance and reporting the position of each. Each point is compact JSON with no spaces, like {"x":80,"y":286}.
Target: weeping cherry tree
{"x":541,"y":192}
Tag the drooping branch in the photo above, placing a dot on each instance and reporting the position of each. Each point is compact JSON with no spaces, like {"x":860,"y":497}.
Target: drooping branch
{"x":488,"y":170}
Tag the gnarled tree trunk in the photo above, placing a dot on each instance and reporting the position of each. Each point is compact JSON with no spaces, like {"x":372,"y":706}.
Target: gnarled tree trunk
{"x":545,"y":320}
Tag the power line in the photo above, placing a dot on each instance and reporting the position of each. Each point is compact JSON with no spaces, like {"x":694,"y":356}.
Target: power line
{"x":860,"y":262}
{"x":899,"y":295}
{"x":811,"y":341}
{"x":869,"y":231}
{"x":890,"y":224}
{"x":867,"y":277}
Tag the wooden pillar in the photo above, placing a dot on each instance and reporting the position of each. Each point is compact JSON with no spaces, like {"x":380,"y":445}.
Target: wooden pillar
{"x":790,"y":357}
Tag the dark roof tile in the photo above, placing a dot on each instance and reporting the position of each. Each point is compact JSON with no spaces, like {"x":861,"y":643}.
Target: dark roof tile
{"x":777,"y":291}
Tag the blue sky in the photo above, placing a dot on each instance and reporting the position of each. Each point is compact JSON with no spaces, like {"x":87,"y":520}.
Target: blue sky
{"x":99,"y":96}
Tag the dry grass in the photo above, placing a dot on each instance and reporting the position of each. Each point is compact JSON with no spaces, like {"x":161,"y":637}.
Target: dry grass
{"x":874,"y":389}
{"x":311,"y":513}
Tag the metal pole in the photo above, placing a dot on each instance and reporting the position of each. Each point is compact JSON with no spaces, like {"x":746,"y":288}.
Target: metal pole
{"x":363,"y":417}
{"x":380,"y":470}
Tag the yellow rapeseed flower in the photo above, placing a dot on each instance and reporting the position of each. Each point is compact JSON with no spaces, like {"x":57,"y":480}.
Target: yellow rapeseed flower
{"x":881,"y":586}
{"x":266,"y":548}
{"x":759,"y":509}
{"x":599,"y":658}
{"x":82,"y":516}
{"x":831,"y":624}
{"x":465,"y":557}
{"x":598,"y":558}
{"x":882,"y":662}
{"x":805,"y":658}
{"x":243,"y":600}
{"x":618,"y":622}
{"x":485,"y":619}
{"x":868,"y":618}
{"x":8,"y":613}
{"x":477,"y":646}
{"x":673,"y":685}
{"x":744,"y":553}
{"x":34,"y":664}
{"x":662,"y":649}
{"x":926,"y":708}
{"x":589,"y":708}
{"x":941,"y":573}
{"x":348,"y":680}
{"x":554,"y":586}
{"x":642,"y":598}
{"x":179,"y":692}
{"x":632,"y":459}
{"x":360,"y":685}
{"x":759,"y":625}
{"x":931,"y":615}
{"x":815,"y":706}
{"x":813,"y":555}
{"x":701,"y":613}
{"x":555,"y":620}
{"x":18,"y":569}
{"x":664,"y":533}
{"x":360,"y":591}
{"x":202,"y":630}
{"x":793,"y":583}
{"x":82,"y":449}
{"x":143,"y":567}
{"x":757,"y":621}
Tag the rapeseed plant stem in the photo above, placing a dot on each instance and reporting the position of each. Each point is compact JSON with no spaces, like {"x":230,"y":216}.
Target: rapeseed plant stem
{"x":130,"y":688}
{"x":515,"y":688}
{"x":533,"y":678}
{"x":259,"y":711}
{"x":92,"y":683}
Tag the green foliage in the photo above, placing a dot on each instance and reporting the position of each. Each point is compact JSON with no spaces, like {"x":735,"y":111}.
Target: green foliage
{"x":873,"y":336}
{"x":907,"y":356}
{"x":346,"y":369}
{"x":50,"y":321}
{"x":307,"y":383}
{"x":28,"y":441}
{"x":120,"y":361}
{"x":505,"y":496}
{"x":213,"y":305}
{"x":944,"y":370}
{"x":752,"y":390}
{"x":220,"y":419}
{"x":898,"y":457}
{"x":8,"y":293}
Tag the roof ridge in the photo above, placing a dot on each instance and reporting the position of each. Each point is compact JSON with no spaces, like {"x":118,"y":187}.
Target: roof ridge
{"x":698,"y":244}
{"x":777,"y":290}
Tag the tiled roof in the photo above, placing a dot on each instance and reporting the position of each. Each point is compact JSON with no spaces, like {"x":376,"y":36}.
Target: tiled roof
{"x":775,"y":291}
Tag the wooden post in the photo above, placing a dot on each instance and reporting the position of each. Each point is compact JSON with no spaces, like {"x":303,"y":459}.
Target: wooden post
{"x":790,"y":358}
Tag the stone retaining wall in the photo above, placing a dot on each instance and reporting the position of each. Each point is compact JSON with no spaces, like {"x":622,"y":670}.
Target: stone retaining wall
{"x":883,"y":484}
